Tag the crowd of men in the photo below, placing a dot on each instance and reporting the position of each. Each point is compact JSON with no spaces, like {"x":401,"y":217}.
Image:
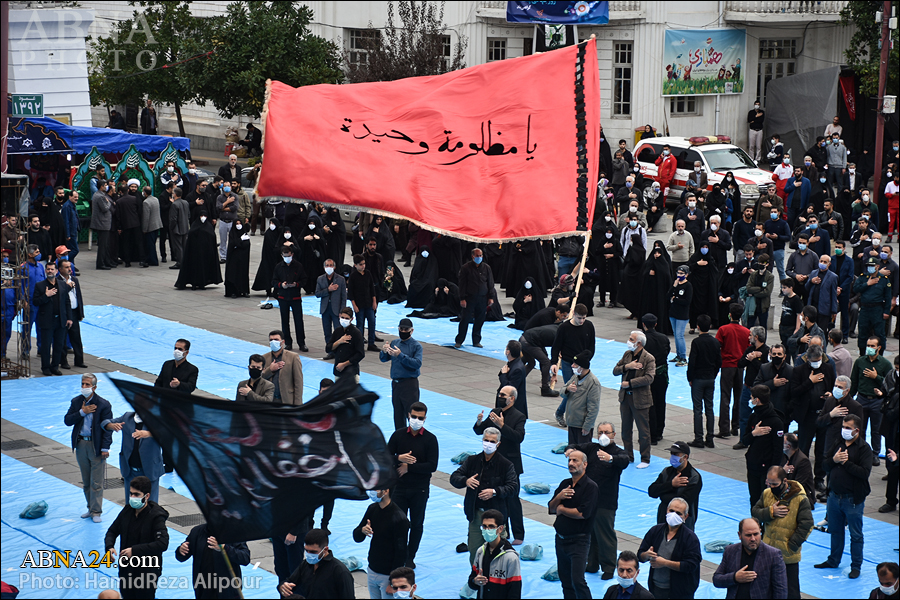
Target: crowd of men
{"x":842,"y":266}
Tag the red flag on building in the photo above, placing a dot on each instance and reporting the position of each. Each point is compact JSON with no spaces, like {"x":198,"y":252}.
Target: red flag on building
{"x":848,"y":91}
{"x":504,"y":150}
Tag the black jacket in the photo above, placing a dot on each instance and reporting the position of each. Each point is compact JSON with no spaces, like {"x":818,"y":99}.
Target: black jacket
{"x":853,"y":475}
{"x":390,"y":529}
{"x":808,"y":396}
{"x":51,"y":308}
{"x":764,"y":451}
{"x":833,"y":425}
{"x":779,"y":396}
{"x":662,"y":489}
{"x":146,"y":534}
{"x":659,"y":346}
{"x":803,"y":472}
{"x":291,"y":274}
{"x":511,"y":435}
{"x":329,"y":578}
{"x":683,"y":583}
{"x":238,"y":554}
{"x":101,"y":439}
{"x":472,"y":277}
{"x":605,"y":474}
{"x":705,"y":358}
{"x":516,"y":378}
{"x":186,"y":373}
{"x":638,"y":593}
{"x":497,"y":474}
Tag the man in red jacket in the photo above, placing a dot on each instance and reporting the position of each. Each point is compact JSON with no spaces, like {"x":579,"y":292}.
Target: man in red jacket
{"x":666,"y":165}
{"x":734,"y":339}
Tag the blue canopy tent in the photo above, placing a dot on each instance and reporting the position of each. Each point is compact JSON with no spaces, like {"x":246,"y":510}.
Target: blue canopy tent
{"x":48,"y":136}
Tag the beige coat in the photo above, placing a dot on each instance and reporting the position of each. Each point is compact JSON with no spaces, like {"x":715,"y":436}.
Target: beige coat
{"x":640,"y":383}
{"x":290,"y":377}
{"x":265,"y":391}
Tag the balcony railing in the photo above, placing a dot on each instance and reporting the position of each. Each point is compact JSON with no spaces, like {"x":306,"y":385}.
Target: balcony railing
{"x":492,"y":8}
{"x":785,"y":7}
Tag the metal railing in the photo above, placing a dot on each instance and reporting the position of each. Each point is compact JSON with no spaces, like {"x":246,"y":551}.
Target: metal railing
{"x":614,"y":6}
{"x":786,"y":7}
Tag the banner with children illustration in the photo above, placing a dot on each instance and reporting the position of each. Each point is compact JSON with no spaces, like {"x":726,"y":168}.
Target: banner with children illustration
{"x":704,"y":62}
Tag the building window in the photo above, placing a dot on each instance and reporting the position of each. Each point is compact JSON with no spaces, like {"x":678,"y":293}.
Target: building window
{"x":446,"y":47}
{"x":622,"y":79}
{"x":777,"y":58}
{"x":360,"y":41}
{"x":683,"y":105}
{"x":496,"y":49}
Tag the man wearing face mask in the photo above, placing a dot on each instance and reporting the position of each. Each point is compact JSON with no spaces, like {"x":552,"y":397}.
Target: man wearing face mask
{"x":638,"y":370}
{"x":128,"y":223}
{"x":287,"y":281}
{"x":751,"y":568}
{"x":888,"y":572}
{"x":801,"y":264}
{"x":255,"y":389}
{"x":838,"y":404}
{"x":848,"y":464}
{"x":680,"y":479}
{"x":140,"y":454}
{"x":812,"y":379}
{"x":90,"y":442}
{"x":489,"y":479}
{"x":101,"y":222}
{"x":606,"y":461}
{"x":387,"y":527}
{"x":331,"y":289}
{"x":405,"y":356}
{"x":496,"y":571}
{"x":822,"y":287}
{"x":875,"y":289}
{"x":416,"y":451}
{"x":227,"y":204}
{"x":627,"y":586}
{"x":755,"y":120}
{"x":53,"y":317}
{"x":673,"y":551}
{"x":141,"y":531}
{"x":179,"y":374}
{"x":346,"y":344}
{"x":719,"y":241}
{"x":763,"y":439}
{"x":743,"y":232}
{"x":403,"y":582}
{"x":836,"y":154}
{"x":666,"y":165}
{"x":776,"y":375}
{"x":582,"y":399}
{"x":511,"y":423}
{"x":780,"y":175}
{"x":694,"y":218}
{"x":797,"y":188}
{"x":630,"y":207}
{"x":680,"y":245}
{"x":320,"y":575}
{"x":284,"y":370}
{"x":867,"y":377}
{"x":513,"y":373}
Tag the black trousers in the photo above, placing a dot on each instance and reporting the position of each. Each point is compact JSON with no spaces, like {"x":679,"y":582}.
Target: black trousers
{"x":536,"y":354}
{"x":514,"y":512}
{"x":77,"y":346}
{"x":403,"y":393}
{"x":130,"y":242}
{"x":475,"y":311}
{"x":793,"y":580}
{"x":412,"y":501}
{"x":163,"y":236}
{"x":137,"y":583}
{"x":571,"y":560}
{"x":286,"y":306}
{"x":103,"y":258}
{"x":756,"y":484}
{"x":53,"y":342}
{"x":658,"y":411}
{"x":807,"y":430}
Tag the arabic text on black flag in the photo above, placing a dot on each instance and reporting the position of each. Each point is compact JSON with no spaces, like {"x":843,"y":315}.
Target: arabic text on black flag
{"x":257,"y":469}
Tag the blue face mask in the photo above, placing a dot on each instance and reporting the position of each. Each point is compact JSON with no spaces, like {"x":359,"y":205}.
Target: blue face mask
{"x":38,"y":256}
{"x":774,"y":216}
{"x":883,"y":256}
{"x":628,"y":184}
{"x":402,"y":594}
{"x":806,"y":163}
{"x":312,"y":557}
{"x":813,"y":225}
{"x":871,"y":270}
{"x":823,"y":267}
{"x":801,"y":246}
{"x":704,"y":250}
{"x":64,"y":257}
{"x":477,"y":260}
{"x":227,"y":188}
{"x":675,"y":461}
{"x":821,"y":180}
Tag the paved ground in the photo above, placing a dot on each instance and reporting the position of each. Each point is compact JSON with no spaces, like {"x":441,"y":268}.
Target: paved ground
{"x":151,"y":291}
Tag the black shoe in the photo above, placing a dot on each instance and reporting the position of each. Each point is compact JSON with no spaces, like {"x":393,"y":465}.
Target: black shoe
{"x":175,"y":267}
{"x":886,"y":508}
{"x":548,"y":393}
{"x":854,"y":573}
{"x":696,"y":444}
{"x":378,"y":339}
{"x":478,"y":345}
{"x":824,"y":565}
{"x":65,"y":366}
{"x":710,"y":443}
{"x":722,"y":436}
{"x":81,"y":366}
{"x":288,"y":346}
{"x":127,"y":265}
{"x":738,"y":446}
{"x":46,"y":372}
{"x":462,"y":548}
{"x":410,"y":563}
{"x":735,"y":432}
{"x":221,"y":261}
{"x":601,"y":304}
{"x":654,"y":442}
{"x":876,"y":462}
{"x":103,"y":268}
{"x":303,"y":348}
{"x":606,"y":576}
{"x":145,"y":265}
{"x":113,"y":266}
{"x":76,"y":272}
{"x":164,"y":259}
{"x":373,"y":348}
{"x":329,"y":356}
{"x":56,"y":372}
{"x":592,"y":569}
{"x":820,"y":486}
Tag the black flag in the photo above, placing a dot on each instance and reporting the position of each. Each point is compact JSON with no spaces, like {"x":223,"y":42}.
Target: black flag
{"x":257,"y":469}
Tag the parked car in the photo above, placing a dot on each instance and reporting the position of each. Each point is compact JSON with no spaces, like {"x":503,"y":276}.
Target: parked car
{"x":717,"y":158}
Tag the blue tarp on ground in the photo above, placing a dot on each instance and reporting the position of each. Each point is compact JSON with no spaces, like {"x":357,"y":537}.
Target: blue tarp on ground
{"x":222,"y":360}
{"x":37,"y":135}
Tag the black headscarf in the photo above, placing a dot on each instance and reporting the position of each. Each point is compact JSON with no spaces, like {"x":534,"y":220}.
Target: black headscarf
{"x":655,"y":287}
{"x":525,"y":310}
{"x":422,"y":279}
{"x":394,"y":285}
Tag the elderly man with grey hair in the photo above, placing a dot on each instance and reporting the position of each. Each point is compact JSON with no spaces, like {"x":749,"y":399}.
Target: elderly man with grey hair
{"x":87,"y":412}
{"x":719,"y":242}
{"x":489,"y":479}
{"x":605,"y":463}
{"x":574,"y":503}
{"x":638,"y":369}
{"x":673,"y":551}
{"x":838,"y":404}
{"x":813,"y":377}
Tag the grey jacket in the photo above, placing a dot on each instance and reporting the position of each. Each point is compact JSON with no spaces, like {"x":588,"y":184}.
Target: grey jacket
{"x":583,"y":404}
{"x":179,"y":217}
{"x":150,"y":219}
{"x":265,"y":391}
{"x":639,"y":384}
{"x":101,"y":212}
{"x":336,"y":299}
{"x":837,"y":155}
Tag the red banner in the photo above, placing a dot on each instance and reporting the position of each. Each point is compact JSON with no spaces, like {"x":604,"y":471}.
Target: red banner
{"x":484,"y":153}
{"x":848,"y":91}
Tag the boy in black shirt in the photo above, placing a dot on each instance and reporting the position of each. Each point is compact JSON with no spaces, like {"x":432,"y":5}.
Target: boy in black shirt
{"x":791,"y":307}
{"x":386,"y":524}
{"x":361,"y":293}
{"x":347,"y":345}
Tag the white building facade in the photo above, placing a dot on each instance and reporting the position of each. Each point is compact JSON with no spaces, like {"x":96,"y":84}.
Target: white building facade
{"x":783,"y":38}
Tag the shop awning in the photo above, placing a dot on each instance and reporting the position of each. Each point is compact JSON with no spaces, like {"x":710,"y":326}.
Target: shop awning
{"x":49,"y":136}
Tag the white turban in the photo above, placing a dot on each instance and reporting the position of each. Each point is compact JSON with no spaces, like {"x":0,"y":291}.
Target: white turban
{"x":134,"y":182}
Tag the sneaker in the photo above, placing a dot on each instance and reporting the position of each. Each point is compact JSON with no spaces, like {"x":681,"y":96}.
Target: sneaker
{"x":710,"y":443}
{"x":886,"y":508}
{"x":96,"y":519}
{"x":824,"y":565}
{"x":696,"y":444}
{"x":681,"y":363}
{"x":738,"y":446}
{"x":673,"y":359}
{"x":854,"y":573}
{"x":86,"y":515}
{"x":516,"y":542}
{"x":548,"y":393}
{"x":373,"y":348}
{"x":642,"y":465}
{"x":561,"y":421}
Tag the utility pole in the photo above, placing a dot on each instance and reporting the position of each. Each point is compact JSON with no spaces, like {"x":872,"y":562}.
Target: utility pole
{"x":4,"y":82}
{"x":879,"y":122}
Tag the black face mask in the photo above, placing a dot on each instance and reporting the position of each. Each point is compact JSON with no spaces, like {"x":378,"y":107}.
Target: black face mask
{"x":501,"y":402}
{"x":255,"y":373}
{"x":405,"y":335}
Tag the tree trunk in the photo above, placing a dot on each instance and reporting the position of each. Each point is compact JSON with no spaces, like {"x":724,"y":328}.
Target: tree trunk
{"x":180,"y":120}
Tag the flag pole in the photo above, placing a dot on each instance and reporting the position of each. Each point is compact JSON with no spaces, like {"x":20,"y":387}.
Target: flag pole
{"x":231,"y":570}
{"x":584,"y":255}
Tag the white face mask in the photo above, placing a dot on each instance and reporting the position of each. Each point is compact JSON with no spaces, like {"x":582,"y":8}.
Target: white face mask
{"x":178,"y":354}
{"x":674,"y":519}
{"x":239,"y":226}
{"x":192,"y":171}
{"x":87,"y":392}
{"x":758,"y":233}
{"x":577,"y":370}
{"x":847,"y":434}
{"x":416,"y":424}
{"x":692,"y":205}
{"x":852,"y":170}
{"x":637,"y":169}
{"x":609,"y":235}
{"x":138,"y":419}
{"x":272,"y":226}
{"x":329,"y":270}
{"x":696,"y":169}
{"x":489,"y":447}
{"x":287,"y":259}
{"x":876,"y":241}
{"x":287,"y":235}
{"x":815,"y":364}
{"x":731,"y":271}
{"x":632,"y":209}
{"x":312,"y":226}
{"x":888,"y":590}
{"x":631,"y":345}
{"x":713,"y":226}
{"x":345,"y":322}
{"x":424,"y":253}
{"x":170,"y":169}
{"x":604,"y":440}
{"x":203,"y":219}
{"x":527,"y":285}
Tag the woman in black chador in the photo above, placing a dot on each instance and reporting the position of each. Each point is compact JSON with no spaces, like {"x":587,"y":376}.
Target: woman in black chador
{"x":393,"y":287}
{"x":529,"y":300}
{"x":200,"y":265}
{"x":237,"y":264}
{"x":422,"y":279}
{"x":704,"y":279}
{"x":656,"y":278}
{"x":630,"y":292}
